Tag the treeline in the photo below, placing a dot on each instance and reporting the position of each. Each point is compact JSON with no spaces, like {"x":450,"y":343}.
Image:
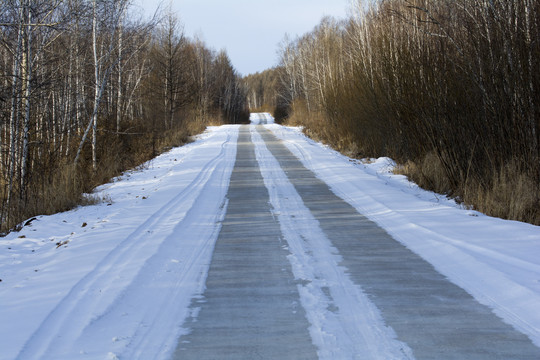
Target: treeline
{"x":448,"y":88}
{"x":261,"y":90}
{"x":265,"y":93}
{"x":86,"y":93}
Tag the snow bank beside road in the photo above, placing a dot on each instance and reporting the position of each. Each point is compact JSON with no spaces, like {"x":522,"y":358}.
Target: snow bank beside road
{"x":494,"y":260}
{"x":120,"y":281}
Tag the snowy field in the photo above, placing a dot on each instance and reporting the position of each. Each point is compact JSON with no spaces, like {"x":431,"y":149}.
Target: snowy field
{"x":115,"y":280}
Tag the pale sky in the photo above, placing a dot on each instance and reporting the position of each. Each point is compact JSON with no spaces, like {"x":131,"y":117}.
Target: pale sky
{"x":249,"y":30}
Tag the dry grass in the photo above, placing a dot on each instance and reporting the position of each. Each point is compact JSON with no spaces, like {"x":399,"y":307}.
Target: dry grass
{"x":267,"y":108}
{"x":58,"y":190}
{"x":508,"y":193}
{"x":318,"y":127}
{"x":64,"y":186}
{"x":511,"y":194}
{"x":428,"y":173}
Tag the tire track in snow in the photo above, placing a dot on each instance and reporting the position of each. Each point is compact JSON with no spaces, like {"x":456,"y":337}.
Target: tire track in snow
{"x":189,"y":262}
{"x":95,"y":294}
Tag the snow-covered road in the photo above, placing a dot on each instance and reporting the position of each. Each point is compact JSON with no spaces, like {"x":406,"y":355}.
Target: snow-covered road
{"x":120,"y":279}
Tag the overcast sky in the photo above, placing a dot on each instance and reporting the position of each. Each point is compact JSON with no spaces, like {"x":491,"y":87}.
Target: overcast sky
{"x":249,"y":30}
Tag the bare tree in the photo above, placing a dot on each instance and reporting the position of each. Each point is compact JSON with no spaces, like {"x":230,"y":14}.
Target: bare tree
{"x":104,"y":62}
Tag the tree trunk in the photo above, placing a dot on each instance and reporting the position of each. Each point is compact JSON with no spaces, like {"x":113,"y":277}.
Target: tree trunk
{"x":27,"y":68}
{"x":14,"y":116}
{"x":96,"y":88}
{"x":120,"y":69}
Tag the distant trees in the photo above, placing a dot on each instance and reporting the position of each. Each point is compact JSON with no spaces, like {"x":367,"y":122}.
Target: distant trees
{"x":263,"y":89}
{"x":449,"y":88}
{"x":230,"y":96}
{"x":85,"y":93}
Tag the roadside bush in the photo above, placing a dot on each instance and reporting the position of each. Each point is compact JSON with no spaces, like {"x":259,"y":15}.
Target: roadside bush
{"x":447,"y":88}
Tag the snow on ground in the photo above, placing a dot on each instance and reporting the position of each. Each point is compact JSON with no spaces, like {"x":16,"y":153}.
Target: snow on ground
{"x":103,"y":281}
{"x":497,"y":261}
{"x":261,"y":118}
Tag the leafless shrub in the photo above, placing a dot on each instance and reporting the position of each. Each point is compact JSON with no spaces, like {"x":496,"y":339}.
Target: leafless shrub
{"x":449,"y":88}
{"x":87,"y":92}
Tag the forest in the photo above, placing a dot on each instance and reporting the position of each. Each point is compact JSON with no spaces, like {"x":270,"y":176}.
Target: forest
{"x":88,"y":90}
{"x":447,"y":88}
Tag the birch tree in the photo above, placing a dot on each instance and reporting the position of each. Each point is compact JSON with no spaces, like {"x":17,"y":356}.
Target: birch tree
{"x":104,"y":62}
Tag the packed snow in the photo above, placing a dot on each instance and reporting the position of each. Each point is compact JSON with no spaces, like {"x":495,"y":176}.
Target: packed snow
{"x":115,"y":280}
{"x":261,"y":118}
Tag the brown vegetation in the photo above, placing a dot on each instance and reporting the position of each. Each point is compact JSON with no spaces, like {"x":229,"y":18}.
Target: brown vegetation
{"x":86,"y":93}
{"x":447,"y":87}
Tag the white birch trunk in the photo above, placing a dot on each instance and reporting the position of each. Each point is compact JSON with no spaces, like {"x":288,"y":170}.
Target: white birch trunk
{"x":96,"y":88}
{"x":27,"y":68}
{"x":14,"y":115}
